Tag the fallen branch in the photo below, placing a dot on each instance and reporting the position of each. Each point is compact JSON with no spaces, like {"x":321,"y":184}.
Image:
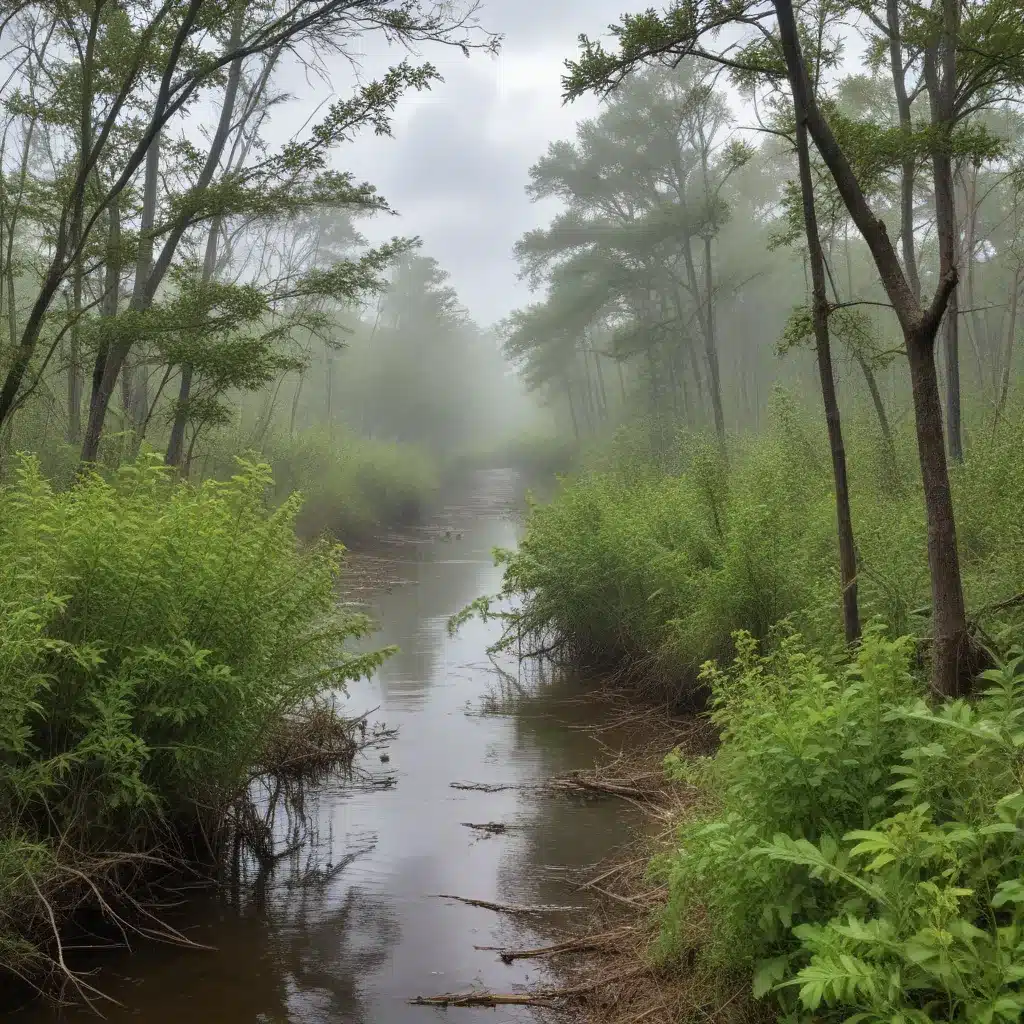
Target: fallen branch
{"x":585,"y":944}
{"x":571,"y":782}
{"x":539,"y":997}
{"x":485,"y":999}
{"x":502,"y":908}
{"x":480,"y":787}
{"x":493,"y":828}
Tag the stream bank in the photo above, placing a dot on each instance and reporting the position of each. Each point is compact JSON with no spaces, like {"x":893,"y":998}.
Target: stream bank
{"x":353,"y":929}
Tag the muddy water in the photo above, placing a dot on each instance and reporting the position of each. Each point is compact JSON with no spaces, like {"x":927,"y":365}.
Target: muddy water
{"x":355,"y":945}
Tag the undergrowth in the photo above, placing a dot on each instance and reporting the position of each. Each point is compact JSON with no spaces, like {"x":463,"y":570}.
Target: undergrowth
{"x":351,"y":485}
{"x":860,"y":853}
{"x":650,"y":563}
{"x":155,"y":639}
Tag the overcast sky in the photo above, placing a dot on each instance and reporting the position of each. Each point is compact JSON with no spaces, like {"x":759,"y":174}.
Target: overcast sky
{"x":459,"y":160}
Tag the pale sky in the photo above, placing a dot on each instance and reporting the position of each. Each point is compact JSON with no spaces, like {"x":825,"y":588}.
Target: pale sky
{"x":457,"y":165}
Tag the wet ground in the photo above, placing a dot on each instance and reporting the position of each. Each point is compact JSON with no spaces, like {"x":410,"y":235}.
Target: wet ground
{"x":354,"y":945}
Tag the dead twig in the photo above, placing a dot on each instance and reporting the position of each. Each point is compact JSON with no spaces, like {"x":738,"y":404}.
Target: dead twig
{"x":481,"y":787}
{"x":584,"y":944}
{"x":539,"y":997}
{"x":503,"y":908}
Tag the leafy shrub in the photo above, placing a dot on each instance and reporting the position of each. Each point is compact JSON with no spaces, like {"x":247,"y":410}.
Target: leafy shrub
{"x":350,"y":485}
{"x":153,"y":637}
{"x":657,"y":571}
{"x":861,"y":855}
{"x":652,"y":562}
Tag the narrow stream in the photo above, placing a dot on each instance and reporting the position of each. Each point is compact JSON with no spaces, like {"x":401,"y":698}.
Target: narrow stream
{"x":357,"y":946}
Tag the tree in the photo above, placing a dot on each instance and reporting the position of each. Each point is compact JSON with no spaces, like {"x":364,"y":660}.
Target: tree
{"x":635,"y":258}
{"x":125,"y":73}
{"x":680,"y":33}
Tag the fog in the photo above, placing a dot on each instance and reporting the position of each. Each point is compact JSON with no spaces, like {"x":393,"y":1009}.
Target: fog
{"x":399,"y":232}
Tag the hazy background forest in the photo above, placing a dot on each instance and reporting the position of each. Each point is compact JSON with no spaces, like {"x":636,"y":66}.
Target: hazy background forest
{"x":664,"y":282}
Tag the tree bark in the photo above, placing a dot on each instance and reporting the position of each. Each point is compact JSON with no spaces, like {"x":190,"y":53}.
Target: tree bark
{"x":707,"y":329}
{"x":819,"y":306}
{"x":296,"y":397}
{"x":176,"y":442}
{"x":941,"y":84}
{"x":909,"y":166}
{"x":111,"y":295}
{"x":74,"y":434}
{"x":1011,"y":333}
{"x":712,"y":345}
{"x":950,"y":668}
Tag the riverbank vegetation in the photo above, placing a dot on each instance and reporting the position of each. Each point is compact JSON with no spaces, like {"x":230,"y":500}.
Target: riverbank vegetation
{"x":841,"y":593}
{"x":649,"y":564}
{"x":157,"y":640}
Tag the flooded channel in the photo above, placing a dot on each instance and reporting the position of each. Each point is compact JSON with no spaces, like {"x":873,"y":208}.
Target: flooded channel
{"x":354,"y":946}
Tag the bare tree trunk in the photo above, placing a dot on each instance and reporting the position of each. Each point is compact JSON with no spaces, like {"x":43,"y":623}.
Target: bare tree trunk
{"x":175,"y":443}
{"x":951,"y":669}
{"x":75,"y":358}
{"x":1011,"y":332}
{"x":819,"y":307}
{"x":707,"y":329}
{"x":295,"y":404}
{"x":601,"y":390}
{"x":712,"y":345}
{"x":951,"y":350}
{"x":103,"y":381}
{"x":111,"y":298}
{"x":899,"y":82}
{"x":940,"y":93}
{"x":572,"y":409}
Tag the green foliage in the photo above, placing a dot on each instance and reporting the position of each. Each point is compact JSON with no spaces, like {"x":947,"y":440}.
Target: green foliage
{"x":153,"y":635}
{"x":655,"y":559}
{"x":631,"y":564}
{"x":861,"y":854}
{"x":349,"y":485}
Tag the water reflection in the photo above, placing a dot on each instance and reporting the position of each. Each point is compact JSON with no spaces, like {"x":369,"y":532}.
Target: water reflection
{"x":354,"y":947}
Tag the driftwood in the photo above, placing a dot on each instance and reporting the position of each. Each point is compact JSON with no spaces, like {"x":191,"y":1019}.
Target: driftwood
{"x":492,"y":828}
{"x":481,"y":787}
{"x":503,"y":908}
{"x":547,"y":997}
{"x":572,"y":782}
{"x":584,"y":944}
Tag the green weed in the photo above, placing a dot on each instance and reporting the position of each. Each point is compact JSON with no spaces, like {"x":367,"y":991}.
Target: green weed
{"x":153,"y":638}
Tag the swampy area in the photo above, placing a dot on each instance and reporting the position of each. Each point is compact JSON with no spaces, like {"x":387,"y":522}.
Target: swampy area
{"x":726,"y":726}
{"x":354,"y":925}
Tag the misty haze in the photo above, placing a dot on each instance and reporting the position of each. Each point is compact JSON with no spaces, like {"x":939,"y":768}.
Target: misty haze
{"x":511,"y":510}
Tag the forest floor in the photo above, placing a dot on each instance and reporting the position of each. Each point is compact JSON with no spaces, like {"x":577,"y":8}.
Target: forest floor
{"x":603,"y":970}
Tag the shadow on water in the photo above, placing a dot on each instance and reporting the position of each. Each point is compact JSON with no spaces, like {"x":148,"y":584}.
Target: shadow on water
{"x":355,"y":944}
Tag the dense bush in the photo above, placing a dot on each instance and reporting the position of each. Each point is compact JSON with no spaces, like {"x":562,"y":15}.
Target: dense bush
{"x":655,"y":562}
{"x":153,"y":638}
{"x":350,"y":485}
{"x":861,"y":853}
